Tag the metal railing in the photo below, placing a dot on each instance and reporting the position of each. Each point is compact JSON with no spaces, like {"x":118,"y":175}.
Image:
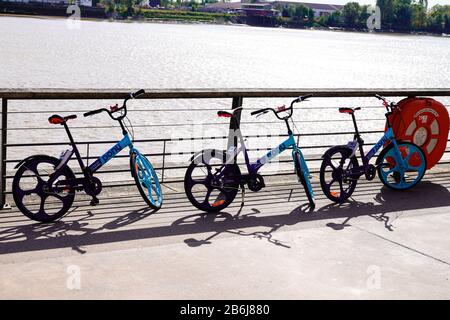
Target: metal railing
{"x":236,"y":95}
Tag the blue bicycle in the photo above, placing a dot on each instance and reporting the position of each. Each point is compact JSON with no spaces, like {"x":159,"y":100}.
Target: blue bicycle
{"x":213,"y":178}
{"x":44,"y":187}
{"x":400,"y":165}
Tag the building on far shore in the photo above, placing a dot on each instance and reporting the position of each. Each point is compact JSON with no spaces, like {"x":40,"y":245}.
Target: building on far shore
{"x":269,"y":8}
{"x":259,"y":9}
{"x":223,"y":7}
{"x":84,"y":3}
{"x":319,"y":9}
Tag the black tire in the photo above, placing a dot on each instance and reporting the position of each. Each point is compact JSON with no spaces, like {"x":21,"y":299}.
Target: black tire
{"x":304,"y":180}
{"x":396,"y":176}
{"x":31,"y":173}
{"x":134,"y":172}
{"x":340,"y":155}
{"x":229,"y":183}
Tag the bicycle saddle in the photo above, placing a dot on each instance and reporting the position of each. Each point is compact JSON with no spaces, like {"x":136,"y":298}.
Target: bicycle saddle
{"x":57,"y":119}
{"x":348,"y":110}
{"x":226,"y":114}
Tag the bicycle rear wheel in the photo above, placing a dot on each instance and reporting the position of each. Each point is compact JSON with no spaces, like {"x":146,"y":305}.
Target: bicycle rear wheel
{"x":336,"y":184}
{"x":34,"y":197}
{"x":203,"y":189}
{"x":146,"y":180}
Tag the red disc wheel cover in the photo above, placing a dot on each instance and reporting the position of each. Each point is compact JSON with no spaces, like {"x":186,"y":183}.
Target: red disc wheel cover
{"x":425,"y":122}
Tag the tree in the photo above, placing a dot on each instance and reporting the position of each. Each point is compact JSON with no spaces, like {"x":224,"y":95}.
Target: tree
{"x":363,"y":16}
{"x":334,"y":19}
{"x":127,"y":7}
{"x":301,"y":12}
{"x":310,"y":14}
{"x":288,"y":12}
{"x":110,"y":6}
{"x":350,"y":12}
{"x":402,"y":14}
{"x":437,"y":19}
{"x":418,"y":15}
{"x":387,"y":13}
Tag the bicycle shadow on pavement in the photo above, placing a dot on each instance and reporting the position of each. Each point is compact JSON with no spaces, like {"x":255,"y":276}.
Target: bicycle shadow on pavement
{"x":226,"y":223}
{"x":74,"y":231}
{"x":270,"y":217}
{"x":426,"y":195}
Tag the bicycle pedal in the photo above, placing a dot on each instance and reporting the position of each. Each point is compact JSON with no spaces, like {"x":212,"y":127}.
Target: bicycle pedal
{"x":94,"y":201}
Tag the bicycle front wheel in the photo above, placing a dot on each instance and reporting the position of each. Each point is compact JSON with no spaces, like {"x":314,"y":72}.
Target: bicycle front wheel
{"x":393,"y":175}
{"x":146,"y":180}
{"x":303,"y":175}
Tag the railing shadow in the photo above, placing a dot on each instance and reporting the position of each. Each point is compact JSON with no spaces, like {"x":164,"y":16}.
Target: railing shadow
{"x":80,"y":233}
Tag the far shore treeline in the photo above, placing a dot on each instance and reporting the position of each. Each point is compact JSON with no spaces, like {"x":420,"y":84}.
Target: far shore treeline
{"x":396,"y":15}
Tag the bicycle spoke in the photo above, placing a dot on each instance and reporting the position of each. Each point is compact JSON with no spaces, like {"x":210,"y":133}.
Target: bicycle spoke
{"x":156,"y":190}
{"x":198,"y":181}
{"x":28,"y":192}
{"x":41,"y":211}
{"x":332,"y":165}
{"x":58,"y":196}
{"x":331,"y":182}
{"x":341,"y":188}
{"x":386,"y":173}
{"x":208,"y":194}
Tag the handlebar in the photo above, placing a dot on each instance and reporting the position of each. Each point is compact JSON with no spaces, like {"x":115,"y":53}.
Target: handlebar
{"x":90,"y":113}
{"x":136,"y":94}
{"x":132,"y":95}
{"x":303,"y":98}
{"x":260,"y":111}
{"x":283,"y":108}
{"x":386,"y":103}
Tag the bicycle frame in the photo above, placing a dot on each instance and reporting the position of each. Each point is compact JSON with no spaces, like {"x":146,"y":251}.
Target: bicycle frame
{"x":254,"y":167}
{"x":387,"y":137}
{"x":97,"y":164}
{"x":111,"y":153}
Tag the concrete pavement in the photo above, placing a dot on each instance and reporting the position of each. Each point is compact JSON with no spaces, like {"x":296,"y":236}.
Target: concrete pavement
{"x":382,"y":245}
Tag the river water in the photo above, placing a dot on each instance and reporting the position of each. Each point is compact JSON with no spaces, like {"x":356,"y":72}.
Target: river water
{"x":50,"y":53}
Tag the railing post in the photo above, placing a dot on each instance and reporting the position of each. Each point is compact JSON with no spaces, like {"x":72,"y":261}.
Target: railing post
{"x":234,"y":125}
{"x":88,"y":146}
{"x":3,"y":153}
{"x":163,"y":161}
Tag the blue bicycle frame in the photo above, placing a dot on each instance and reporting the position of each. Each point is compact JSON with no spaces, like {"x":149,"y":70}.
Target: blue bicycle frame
{"x":111,"y":153}
{"x":254,"y":167}
{"x":387,"y":137}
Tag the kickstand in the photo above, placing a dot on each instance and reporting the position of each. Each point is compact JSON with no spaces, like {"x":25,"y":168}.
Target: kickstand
{"x":94,"y":201}
{"x":243,"y":194}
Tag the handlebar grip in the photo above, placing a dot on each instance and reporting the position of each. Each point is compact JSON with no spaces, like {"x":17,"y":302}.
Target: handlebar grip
{"x":306,"y":96}
{"x":90,"y":113}
{"x":137,"y":93}
{"x":379,"y":97}
{"x":258,"y":112}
